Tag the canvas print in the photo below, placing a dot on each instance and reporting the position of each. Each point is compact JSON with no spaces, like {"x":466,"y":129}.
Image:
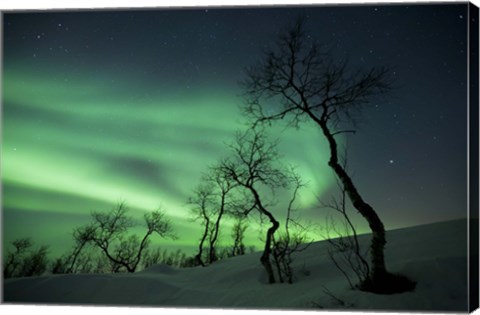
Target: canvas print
{"x":318,"y":157}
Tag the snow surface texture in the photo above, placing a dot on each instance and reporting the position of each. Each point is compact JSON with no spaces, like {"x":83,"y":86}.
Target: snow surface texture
{"x":434,"y":255}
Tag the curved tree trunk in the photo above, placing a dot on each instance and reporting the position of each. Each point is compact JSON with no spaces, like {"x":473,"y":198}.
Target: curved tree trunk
{"x":119,"y":263}
{"x":213,"y":241}
{"x":141,"y":248}
{"x":265,"y":258}
{"x":198,"y":256}
{"x":74,"y":256}
{"x":378,"y":269}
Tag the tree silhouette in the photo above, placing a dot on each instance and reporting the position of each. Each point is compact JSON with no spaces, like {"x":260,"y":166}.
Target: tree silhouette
{"x":82,"y":237}
{"x":254,"y":167}
{"x":24,"y":260}
{"x":222,"y":187}
{"x":201,"y":211}
{"x":344,"y":247}
{"x":211,"y":202}
{"x":13,"y":259}
{"x":297,"y":82}
{"x":238,"y":234}
{"x":108,"y":231}
{"x":292,"y":239}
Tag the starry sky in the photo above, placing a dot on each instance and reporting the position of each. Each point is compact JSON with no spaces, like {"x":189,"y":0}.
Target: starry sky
{"x":106,"y":106}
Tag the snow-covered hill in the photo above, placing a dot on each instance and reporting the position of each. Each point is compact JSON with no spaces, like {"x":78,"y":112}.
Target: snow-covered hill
{"x":434,"y":255}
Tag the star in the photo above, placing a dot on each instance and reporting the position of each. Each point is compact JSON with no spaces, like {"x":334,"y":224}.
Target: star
{"x":391,"y":161}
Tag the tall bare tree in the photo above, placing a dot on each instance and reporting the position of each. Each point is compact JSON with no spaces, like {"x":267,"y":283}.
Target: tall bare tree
{"x":344,"y":247}
{"x":297,"y":82}
{"x":201,"y":210}
{"x":210,"y":203}
{"x":223,"y":186}
{"x":254,"y":167}
{"x":292,"y":238}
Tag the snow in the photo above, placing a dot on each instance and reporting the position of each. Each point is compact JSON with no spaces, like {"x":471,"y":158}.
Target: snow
{"x":434,"y":255}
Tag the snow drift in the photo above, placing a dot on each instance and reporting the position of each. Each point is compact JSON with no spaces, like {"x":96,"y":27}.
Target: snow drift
{"x":433,"y":255}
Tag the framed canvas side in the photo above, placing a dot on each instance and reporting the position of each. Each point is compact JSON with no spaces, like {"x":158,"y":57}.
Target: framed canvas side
{"x":473,"y":156}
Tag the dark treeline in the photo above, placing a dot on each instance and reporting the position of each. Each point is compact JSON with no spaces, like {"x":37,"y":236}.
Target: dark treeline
{"x":107,"y":245}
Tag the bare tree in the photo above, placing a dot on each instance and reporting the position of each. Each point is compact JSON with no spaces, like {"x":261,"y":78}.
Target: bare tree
{"x":302,"y":83}
{"x":222,"y":187}
{"x":253,"y":167}
{"x":14,"y":258}
{"x":209,"y":205}
{"x":292,"y":239}
{"x":82,"y":237}
{"x":344,"y":248}
{"x":36,"y":263}
{"x":151,"y":258}
{"x":201,"y":211}
{"x":109,"y":233}
{"x":238,"y":235}
{"x":24,"y":260}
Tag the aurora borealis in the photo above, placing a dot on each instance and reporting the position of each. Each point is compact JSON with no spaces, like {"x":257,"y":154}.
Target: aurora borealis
{"x":107,"y":106}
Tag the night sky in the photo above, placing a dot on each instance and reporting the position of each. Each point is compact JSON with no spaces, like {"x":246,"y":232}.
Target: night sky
{"x":108,"y":106}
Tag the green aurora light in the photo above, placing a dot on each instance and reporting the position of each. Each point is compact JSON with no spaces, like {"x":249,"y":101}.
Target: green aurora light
{"x":73,"y":147}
